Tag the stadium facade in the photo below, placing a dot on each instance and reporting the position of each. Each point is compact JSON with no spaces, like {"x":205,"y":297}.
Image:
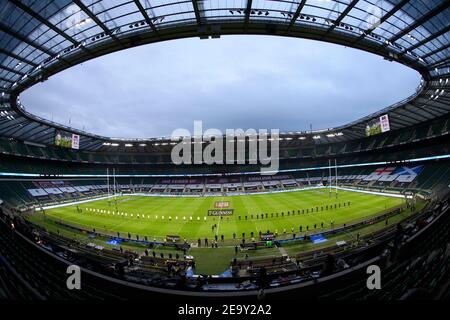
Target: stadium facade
{"x":403,"y":149}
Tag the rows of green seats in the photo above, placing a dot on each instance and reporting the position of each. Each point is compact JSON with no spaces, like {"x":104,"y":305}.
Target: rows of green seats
{"x":97,"y":158}
{"x":438,"y":128}
{"x":422,"y":132}
{"x":35,"y":151}
{"x":438,"y":173}
{"x":5,"y":146}
{"x":20,"y":148}
{"x":306,"y":152}
{"x":14,"y":193}
{"x":338,"y":148}
{"x":18,"y":164}
{"x":432,"y":174}
{"x":405,"y":136}
{"x":60,"y":154}
{"x":83,"y":156}
{"x":366,"y":143}
{"x":392,"y":138}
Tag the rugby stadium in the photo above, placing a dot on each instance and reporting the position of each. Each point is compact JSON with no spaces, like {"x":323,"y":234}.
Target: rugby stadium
{"x":370,"y":197}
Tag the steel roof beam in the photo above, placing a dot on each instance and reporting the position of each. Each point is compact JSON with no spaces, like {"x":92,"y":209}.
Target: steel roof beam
{"x":49,"y":25}
{"x":341,"y":17}
{"x":12,"y":70}
{"x":34,"y":130}
{"x":145,"y":15}
{"x":389,"y":14}
{"x":248,"y":10}
{"x":17,"y":122}
{"x":438,"y":86}
{"x":3,"y":127}
{"x":297,"y":13}
{"x":405,"y":117}
{"x":45,"y":22}
{"x":91,"y":15}
{"x":40,"y":134}
{"x":12,"y":125}
{"x":23,"y":39}
{"x":15,"y":56}
{"x":43,"y":135}
{"x":20,"y":127}
{"x":426,"y":40}
{"x":399,"y":120}
{"x":439,"y":102}
{"x":6,"y":80}
{"x":439,"y":111}
{"x":434,"y":115}
{"x":429,"y":54}
{"x":92,"y":145}
{"x":439,"y":63}
{"x":196,"y":12}
{"x":403,"y":112}
{"x":430,"y":14}
{"x":353,"y":134}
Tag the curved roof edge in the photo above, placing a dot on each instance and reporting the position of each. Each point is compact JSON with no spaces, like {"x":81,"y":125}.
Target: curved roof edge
{"x":415,"y":35}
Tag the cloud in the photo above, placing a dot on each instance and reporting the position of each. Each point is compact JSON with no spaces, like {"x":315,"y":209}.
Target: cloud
{"x":235,"y":82}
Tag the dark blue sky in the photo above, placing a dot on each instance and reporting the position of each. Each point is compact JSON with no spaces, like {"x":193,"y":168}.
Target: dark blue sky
{"x":232,"y":82}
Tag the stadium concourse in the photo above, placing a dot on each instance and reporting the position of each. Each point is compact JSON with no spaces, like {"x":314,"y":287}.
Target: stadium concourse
{"x":375,"y":191}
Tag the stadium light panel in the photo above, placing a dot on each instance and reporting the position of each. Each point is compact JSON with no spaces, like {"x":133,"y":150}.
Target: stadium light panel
{"x":128,"y":145}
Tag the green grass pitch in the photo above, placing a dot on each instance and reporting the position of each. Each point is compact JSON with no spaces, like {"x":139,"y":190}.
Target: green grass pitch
{"x":151,"y":211}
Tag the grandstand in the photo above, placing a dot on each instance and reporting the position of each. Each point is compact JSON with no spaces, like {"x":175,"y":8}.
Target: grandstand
{"x":139,"y":225}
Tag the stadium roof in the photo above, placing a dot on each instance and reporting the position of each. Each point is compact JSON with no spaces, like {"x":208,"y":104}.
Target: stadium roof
{"x":39,"y":38}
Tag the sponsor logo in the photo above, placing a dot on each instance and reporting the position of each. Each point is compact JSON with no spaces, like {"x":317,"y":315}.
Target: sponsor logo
{"x":222,"y":204}
{"x":216,"y":213}
{"x":172,"y":238}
